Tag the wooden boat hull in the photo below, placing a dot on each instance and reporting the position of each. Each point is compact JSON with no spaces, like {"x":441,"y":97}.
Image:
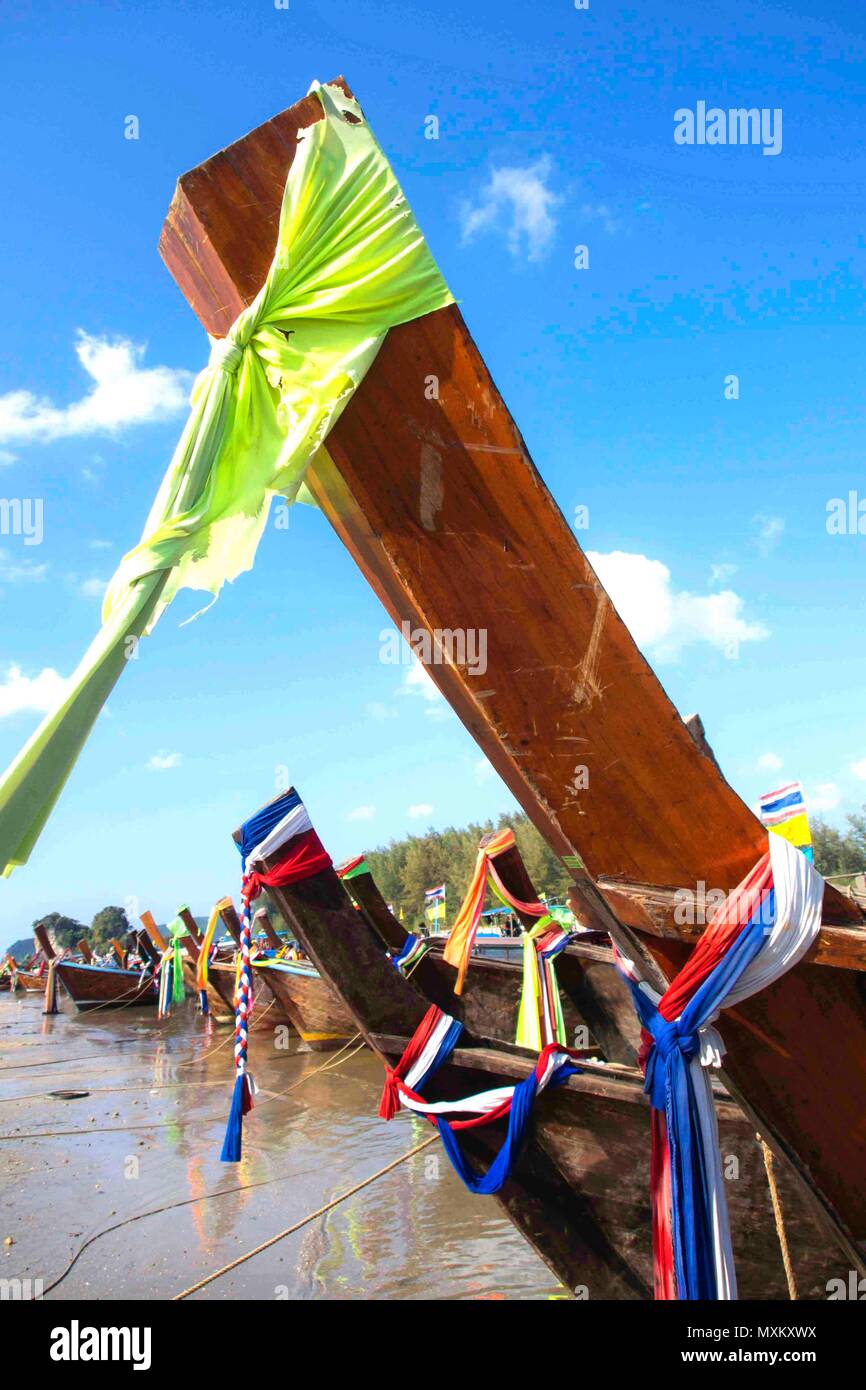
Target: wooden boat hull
{"x":593,"y":996}
{"x":29,"y":982}
{"x":317,"y":1014}
{"x":94,"y":986}
{"x":268,"y":1013}
{"x":578,"y":1191}
{"x":565,"y":686}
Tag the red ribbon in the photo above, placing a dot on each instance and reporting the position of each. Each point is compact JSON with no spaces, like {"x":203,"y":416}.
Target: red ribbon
{"x":304,"y":856}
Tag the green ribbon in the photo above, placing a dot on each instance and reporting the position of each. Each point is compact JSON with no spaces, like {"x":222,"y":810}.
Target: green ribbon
{"x":350,"y":263}
{"x":177,"y":931}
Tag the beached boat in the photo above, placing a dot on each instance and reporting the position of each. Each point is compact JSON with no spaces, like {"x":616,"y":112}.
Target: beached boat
{"x":97,"y":986}
{"x":592,"y":993}
{"x":29,"y":981}
{"x":578,"y":1191}
{"x":293,"y":994}
{"x":563,"y":699}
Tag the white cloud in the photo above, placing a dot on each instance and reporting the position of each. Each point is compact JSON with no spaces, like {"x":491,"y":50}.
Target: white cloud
{"x":19,"y":571}
{"x":825,"y":797}
{"x":379,"y":711}
{"x":19,"y":692}
{"x":421,"y":808}
{"x":101,"y":545}
{"x":663,"y":619}
{"x":362,"y":813}
{"x":522,"y":201}
{"x":769,"y":762}
{"x":720,"y":574}
{"x":122,"y":393}
{"x":600,"y":213}
{"x":6,"y":458}
{"x":484,"y":770}
{"x":768,"y":532}
{"x":161,"y":762}
{"x":92,"y":588}
{"x":418,"y":681}
{"x":859,"y":769}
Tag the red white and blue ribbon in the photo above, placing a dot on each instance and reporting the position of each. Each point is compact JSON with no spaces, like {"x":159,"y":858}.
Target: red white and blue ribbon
{"x":434,"y":1041}
{"x":282,"y":829}
{"x":764,"y":927}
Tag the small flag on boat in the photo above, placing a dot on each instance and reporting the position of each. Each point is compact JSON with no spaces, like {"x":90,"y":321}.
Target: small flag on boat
{"x":434,"y":905}
{"x":784,"y":812}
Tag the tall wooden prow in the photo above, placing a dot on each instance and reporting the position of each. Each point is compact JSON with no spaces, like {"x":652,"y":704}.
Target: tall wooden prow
{"x":562,"y":687}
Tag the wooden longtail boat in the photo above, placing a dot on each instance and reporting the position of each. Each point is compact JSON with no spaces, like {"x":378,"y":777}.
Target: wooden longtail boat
{"x":579,"y":1191}
{"x":97,"y":986}
{"x":298,"y":997}
{"x":217,"y":1009}
{"x":471,"y":541}
{"x":30,"y":981}
{"x":591,"y":990}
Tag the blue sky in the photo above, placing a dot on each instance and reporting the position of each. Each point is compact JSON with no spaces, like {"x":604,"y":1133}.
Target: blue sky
{"x":556,"y":129}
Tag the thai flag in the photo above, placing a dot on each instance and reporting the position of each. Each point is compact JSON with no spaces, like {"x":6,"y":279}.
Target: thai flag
{"x":780,"y":805}
{"x":435,"y":895}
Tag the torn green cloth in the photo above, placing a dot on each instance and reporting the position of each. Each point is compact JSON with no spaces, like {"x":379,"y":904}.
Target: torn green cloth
{"x":350,"y":263}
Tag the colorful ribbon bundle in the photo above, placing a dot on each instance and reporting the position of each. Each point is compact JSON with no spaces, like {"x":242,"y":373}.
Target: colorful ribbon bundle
{"x":413,"y":948}
{"x":435,"y":1039}
{"x":764,"y":927}
{"x":201,"y":965}
{"x":281,"y":829}
{"x":353,"y":868}
{"x":539,"y":1021}
{"x":171,"y":990}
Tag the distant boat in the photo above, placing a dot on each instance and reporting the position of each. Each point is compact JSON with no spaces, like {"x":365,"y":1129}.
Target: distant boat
{"x":97,"y":986}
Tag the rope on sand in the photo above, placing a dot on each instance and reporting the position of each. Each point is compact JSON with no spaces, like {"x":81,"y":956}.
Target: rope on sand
{"x":305,"y":1221}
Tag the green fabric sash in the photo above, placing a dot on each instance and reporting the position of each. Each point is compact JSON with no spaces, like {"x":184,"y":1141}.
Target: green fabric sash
{"x":177,"y":931}
{"x":350,"y":263}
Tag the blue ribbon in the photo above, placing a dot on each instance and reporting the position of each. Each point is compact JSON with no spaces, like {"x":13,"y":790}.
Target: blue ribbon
{"x":499,"y":1171}
{"x":669,"y":1086}
{"x":254,"y":830}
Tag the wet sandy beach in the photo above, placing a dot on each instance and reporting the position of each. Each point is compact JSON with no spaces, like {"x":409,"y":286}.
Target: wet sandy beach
{"x":148,"y":1133}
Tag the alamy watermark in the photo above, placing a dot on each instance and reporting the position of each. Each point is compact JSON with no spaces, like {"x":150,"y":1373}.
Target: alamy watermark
{"x":465,"y":647}
{"x":846,"y":516}
{"x":22,"y":516}
{"x":737,"y":126}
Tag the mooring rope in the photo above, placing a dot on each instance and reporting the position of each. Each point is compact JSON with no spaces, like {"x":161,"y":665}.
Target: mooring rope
{"x":157,"y":1211}
{"x":779,"y":1218}
{"x":305,"y":1221}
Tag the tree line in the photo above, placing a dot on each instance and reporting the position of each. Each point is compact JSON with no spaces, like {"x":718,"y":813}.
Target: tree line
{"x":405,"y":869}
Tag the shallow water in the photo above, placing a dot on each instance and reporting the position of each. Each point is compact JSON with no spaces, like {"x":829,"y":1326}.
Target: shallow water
{"x":148,"y":1135}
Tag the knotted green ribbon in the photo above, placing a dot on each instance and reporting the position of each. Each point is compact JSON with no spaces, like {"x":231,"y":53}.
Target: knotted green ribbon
{"x":177,"y":931}
{"x":350,"y":263}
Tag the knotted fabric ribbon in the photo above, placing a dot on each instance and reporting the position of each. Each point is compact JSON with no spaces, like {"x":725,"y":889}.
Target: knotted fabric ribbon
{"x":201,"y":965}
{"x":764,"y":927}
{"x":539,"y":1020}
{"x":171,"y":988}
{"x":350,"y":263}
{"x":281,"y":830}
{"x":432,"y":1044}
{"x":461,"y":938}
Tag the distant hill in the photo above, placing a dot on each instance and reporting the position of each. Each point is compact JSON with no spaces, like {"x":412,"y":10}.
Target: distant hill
{"x":22,"y":949}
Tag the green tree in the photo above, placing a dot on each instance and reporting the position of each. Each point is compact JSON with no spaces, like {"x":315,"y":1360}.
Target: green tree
{"x":63,"y":930}
{"x":109,"y":922}
{"x":840,"y":851}
{"x":405,"y":869}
